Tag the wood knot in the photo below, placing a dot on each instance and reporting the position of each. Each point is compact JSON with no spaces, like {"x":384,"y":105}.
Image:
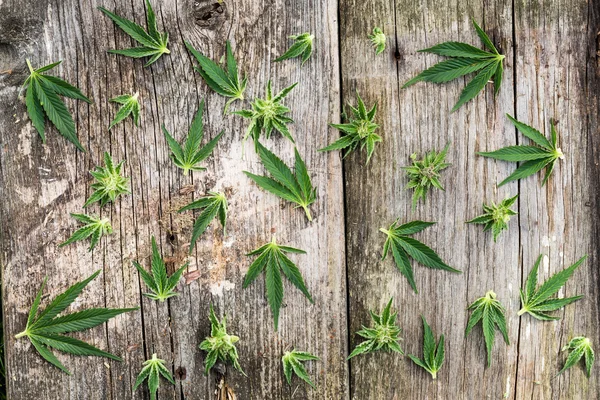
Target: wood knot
{"x":210,"y":13}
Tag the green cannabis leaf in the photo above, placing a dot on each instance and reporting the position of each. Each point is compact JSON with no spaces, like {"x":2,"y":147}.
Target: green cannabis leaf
{"x":109,"y":182}
{"x":403,"y":246}
{"x":496,"y":216}
{"x":272,"y":259}
{"x":153,"y":43}
{"x":378,"y":39}
{"x":292,"y":362}
{"x":303,"y":46}
{"x":294,"y":187}
{"x":433,"y":354}
{"x":212,"y":205}
{"x":535,"y":158}
{"x":464,"y":59}
{"x":44,"y":329}
{"x":359,"y":130}
{"x":220,"y":345}
{"x":129,"y":106}
{"x":152,"y":370}
{"x":192,"y":154}
{"x":384,"y":336}
{"x":94,"y":227}
{"x":160,"y":285}
{"x":490,"y":312}
{"x":579,"y":347}
{"x":537,"y":301}
{"x":226,"y":82}
{"x":425,"y":174}
{"x":42,"y":100}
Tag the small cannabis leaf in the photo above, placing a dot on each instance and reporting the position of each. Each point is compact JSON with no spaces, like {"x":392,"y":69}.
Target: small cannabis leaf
{"x":537,"y":301}
{"x":129,"y":106}
{"x":384,"y":336}
{"x":535,"y":158}
{"x":211,"y":205}
{"x":226,"y":82}
{"x":403,"y":246}
{"x":220,"y":345}
{"x":191,"y":154}
{"x":272,"y":259}
{"x":464,"y":59}
{"x":496,"y":216}
{"x":425,"y":174}
{"x":109,"y":182}
{"x":378,"y":39}
{"x":303,"y":46}
{"x":359,"y":130}
{"x":153,"y":43}
{"x":44,"y":329}
{"x":433,"y":355}
{"x":42,"y":100}
{"x":268,"y":115}
{"x":152,"y":370}
{"x":292,"y":362}
{"x":296,"y":188}
{"x":490,"y":312}
{"x":579,"y":347}
{"x":159,"y":283}
{"x":94,"y":227}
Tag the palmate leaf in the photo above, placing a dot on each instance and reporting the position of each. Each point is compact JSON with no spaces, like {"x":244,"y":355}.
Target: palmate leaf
{"x":44,"y":329}
{"x":403,"y":246}
{"x":220,"y":345}
{"x":93,"y":228}
{"x":109,"y":183}
{"x":378,"y":40}
{"x":302,"y":47}
{"x":425,"y":174}
{"x":539,"y":301}
{"x":129,"y":106}
{"x":151,"y":371}
{"x":579,"y":347}
{"x":496,"y":216}
{"x":433,"y":354}
{"x":213,"y":205}
{"x":292,"y":362}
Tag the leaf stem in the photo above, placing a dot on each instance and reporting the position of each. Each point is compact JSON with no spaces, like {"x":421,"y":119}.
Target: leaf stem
{"x":20,"y":335}
{"x":31,"y":70}
{"x":307,"y":211}
{"x":522,"y":311}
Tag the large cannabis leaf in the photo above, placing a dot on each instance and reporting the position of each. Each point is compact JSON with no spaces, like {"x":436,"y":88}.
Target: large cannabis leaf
{"x":129,"y":106}
{"x":160,"y":284}
{"x":496,"y":216}
{"x":192,"y":154}
{"x":433,"y":354}
{"x":153,"y":43}
{"x":534,"y":158}
{"x":295,"y":187}
{"x":220,"y":345}
{"x":272,"y":259}
{"x":579,"y":347}
{"x":292,"y":362}
{"x":490,"y":312}
{"x":152,"y":370}
{"x":94,"y":227}
{"x":44,"y":329}
{"x":403,"y":246}
{"x":464,"y":59}
{"x":378,"y":40}
{"x":42,"y":100}
{"x":212,"y":205}
{"x":303,"y":46}
{"x":109,"y":182}
{"x":425,"y":174}
{"x":537,"y":301}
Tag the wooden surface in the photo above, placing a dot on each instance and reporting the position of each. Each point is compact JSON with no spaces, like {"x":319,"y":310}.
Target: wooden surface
{"x":552,"y":70}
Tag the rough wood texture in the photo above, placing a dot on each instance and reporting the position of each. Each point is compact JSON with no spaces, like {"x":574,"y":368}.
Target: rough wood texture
{"x":552,"y":70}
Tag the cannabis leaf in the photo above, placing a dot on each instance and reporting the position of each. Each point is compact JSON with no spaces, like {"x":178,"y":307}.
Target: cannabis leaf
{"x":579,"y":347}
{"x":303,"y":46}
{"x":42,"y":100}
{"x":159,"y":283}
{"x":211,"y":205}
{"x":152,"y":370}
{"x":94,"y":227}
{"x":490,"y":312}
{"x":535,"y":158}
{"x":153,"y":43}
{"x":109,"y":182}
{"x":220,"y":345}
{"x":272,"y":259}
{"x":129,"y":106}
{"x":425,"y":174}
{"x":403,"y":246}
{"x":44,"y":329}
{"x":292,"y":362}
{"x":496,"y":216}
{"x":433,"y":355}
{"x":537,"y":301}
{"x":226,"y":82}
{"x":191,"y":154}
{"x":359,"y":130}
{"x":296,"y":188}
{"x":378,"y":39}
{"x":384,"y":336}
{"x":464,"y":59}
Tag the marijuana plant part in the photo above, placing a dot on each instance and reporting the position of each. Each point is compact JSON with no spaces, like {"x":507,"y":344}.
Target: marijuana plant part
{"x":109,"y":183}
{"x":302,"y":47}
{"x":94,"y":227}
{"x":579,"y":347}
{"x":292,"y":362}
{"x":213,"y":204}
{"x":425,"y":174}
{"x":129,"y":106}
{"x":433,"y":354}
{"x":495,"y":217}
{"x":220,"y":345}
{"x":378,"y":39}
{"x":152,"y":370}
